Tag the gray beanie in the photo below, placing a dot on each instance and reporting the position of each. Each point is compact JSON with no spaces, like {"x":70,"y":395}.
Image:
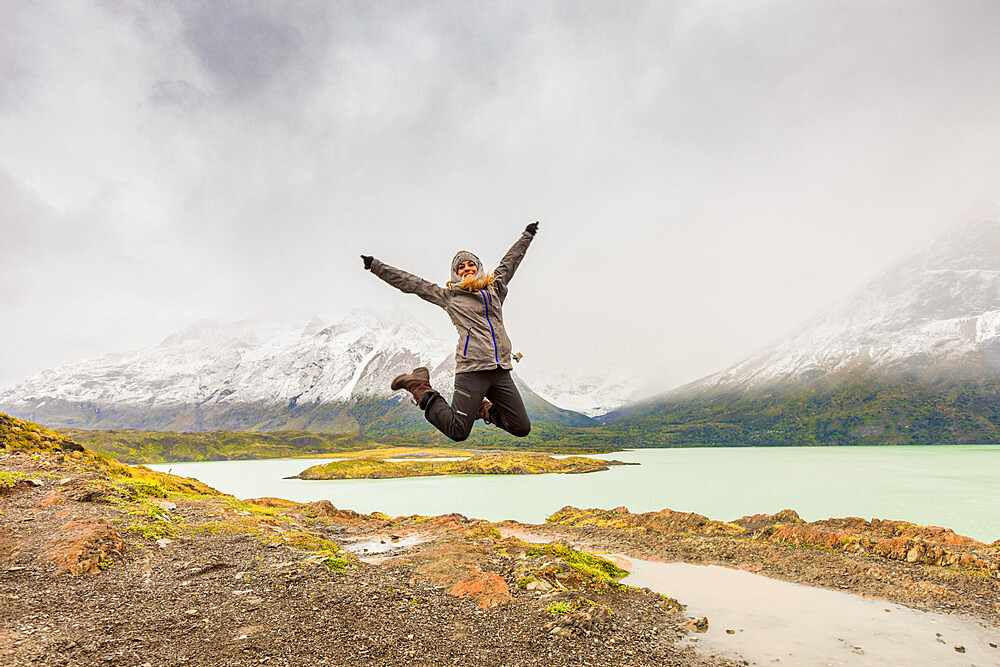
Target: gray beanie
{"x":462,"y":256}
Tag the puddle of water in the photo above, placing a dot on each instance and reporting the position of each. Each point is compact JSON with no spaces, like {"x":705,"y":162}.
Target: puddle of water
{"x":779,"y":621}
{"x":525,"y":536}
{"x":381,"y":544}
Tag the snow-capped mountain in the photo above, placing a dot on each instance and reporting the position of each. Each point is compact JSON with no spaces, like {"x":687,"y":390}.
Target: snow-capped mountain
{"x":912,"y":357}
{"x":594,"y":394}
{"x":252,"y":374}
{"x":939,"y":308}
{"x":250,"y":360}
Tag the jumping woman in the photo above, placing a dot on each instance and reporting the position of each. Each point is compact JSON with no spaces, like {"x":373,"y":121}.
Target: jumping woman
{"x":473,"y":300}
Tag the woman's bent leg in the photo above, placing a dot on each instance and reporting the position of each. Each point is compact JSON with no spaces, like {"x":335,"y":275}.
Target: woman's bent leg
{"x":456,"y":420}
{"x":508,"y":409}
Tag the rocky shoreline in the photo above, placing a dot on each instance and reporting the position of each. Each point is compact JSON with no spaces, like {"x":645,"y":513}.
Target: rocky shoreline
{"x":924,"y":567}
{"x":102,"y":563}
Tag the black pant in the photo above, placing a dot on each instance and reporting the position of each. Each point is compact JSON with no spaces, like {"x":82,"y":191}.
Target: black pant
{"x":456,"y":420}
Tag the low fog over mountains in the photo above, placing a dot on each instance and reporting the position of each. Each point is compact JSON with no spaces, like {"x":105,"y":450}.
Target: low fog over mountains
{"x":911,"y":357}
{"x":253,"y":374}
{"x":934,"y":312}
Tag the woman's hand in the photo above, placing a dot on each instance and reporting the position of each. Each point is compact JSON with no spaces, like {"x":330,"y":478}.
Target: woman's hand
{"x":532,"y":228}
{"x":367,"y":259}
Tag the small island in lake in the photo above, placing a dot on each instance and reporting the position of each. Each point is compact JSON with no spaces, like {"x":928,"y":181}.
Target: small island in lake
{"x":484,"y":464}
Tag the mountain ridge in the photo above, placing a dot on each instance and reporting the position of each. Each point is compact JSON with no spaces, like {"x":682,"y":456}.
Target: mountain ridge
{"x":255,"y":374}
{"x":912,"y":356}
{"x":941,"y":303}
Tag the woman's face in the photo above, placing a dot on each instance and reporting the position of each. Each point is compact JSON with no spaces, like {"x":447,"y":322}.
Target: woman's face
{"x":467,"y":268}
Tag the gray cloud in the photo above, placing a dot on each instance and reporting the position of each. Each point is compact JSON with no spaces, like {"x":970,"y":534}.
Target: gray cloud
{"x":710,"y":173}
{"x":179,"y":93}
{"x":243,"y":47}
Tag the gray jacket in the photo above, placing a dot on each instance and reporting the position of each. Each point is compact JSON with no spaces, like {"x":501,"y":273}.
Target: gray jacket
{"x":478,"y":316}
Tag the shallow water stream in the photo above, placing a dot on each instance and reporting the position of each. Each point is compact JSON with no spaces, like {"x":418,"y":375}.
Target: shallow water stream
{"x":776,"y":622}
{"x":371,"y":549}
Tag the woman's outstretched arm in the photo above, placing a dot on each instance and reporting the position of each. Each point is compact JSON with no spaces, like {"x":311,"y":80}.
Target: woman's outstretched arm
{"x":407,"y":282}
{"x":508,"y":265}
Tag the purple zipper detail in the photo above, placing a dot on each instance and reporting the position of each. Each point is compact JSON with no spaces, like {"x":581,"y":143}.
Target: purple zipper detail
{"x":496,"y":352}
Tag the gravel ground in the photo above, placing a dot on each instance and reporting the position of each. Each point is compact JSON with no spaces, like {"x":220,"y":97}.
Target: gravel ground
{"x":236,"y":584}
{"x":106,"y":565}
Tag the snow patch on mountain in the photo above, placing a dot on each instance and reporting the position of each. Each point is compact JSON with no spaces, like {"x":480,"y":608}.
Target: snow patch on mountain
{"x":592,"y":394}
{"x":282,"y":362}
{"x":251,"y":360}
{"x":941,"y":304}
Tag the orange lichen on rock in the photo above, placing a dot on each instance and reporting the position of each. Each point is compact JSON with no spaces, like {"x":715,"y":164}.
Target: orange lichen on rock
{"x":52,"y":498}
{"x":455,"y":522}
{"x":756,"y":522}
{"x":487,"y":589}
{"x":271,"y":501}
{"x":325,"y":509}
{"x":885,"y":528}
{"x":85,"y":546}
{"x":803,"y":535}
{"x":457,"y":565}
{"x":823,"y":534}
{"x":9,"y":544}
{"x":664,"y":521}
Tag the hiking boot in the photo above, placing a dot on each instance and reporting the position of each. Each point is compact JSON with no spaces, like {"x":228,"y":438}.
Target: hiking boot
{"x":484,"y":411}
{"x":418,"y":383}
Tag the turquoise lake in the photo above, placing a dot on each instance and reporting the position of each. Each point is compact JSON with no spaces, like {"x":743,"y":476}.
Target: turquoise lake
{"x":957,"y":486}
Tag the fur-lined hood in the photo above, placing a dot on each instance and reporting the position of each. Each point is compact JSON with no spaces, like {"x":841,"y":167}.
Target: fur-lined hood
{"x":480,"y":281}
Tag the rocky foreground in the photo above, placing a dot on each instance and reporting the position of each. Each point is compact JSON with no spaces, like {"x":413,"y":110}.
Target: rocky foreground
{"x":102,"y":563}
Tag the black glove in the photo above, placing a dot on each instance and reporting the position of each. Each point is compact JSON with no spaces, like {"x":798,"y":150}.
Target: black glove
{"x":532,"y":228}
{"x":368,"y":261}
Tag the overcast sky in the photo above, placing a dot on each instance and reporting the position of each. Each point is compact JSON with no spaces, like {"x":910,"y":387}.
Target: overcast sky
{"x":707,"y":175}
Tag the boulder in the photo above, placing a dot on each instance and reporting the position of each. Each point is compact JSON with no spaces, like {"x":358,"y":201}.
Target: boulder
{"x":699,"y":624}
{"x":85,"y":546}
{"x":580,"y":622}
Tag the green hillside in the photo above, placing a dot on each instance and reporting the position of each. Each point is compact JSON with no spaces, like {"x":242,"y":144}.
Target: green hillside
{"x":131,"y":446}
{"x":841,"y":409}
